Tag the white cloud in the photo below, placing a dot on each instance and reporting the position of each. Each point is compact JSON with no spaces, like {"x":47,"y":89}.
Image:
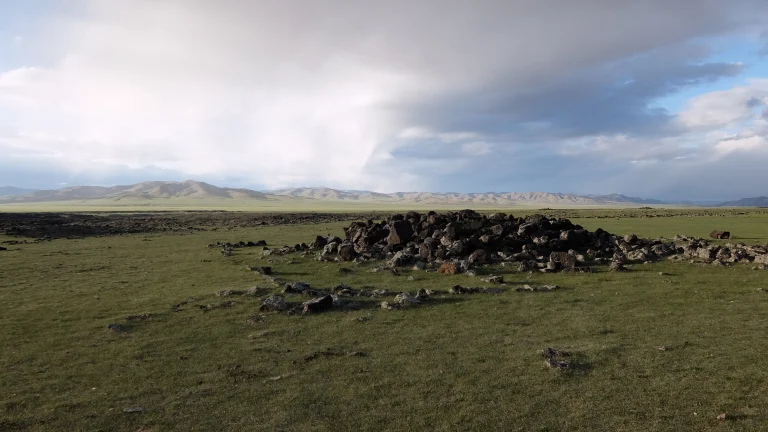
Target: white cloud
{"x":742,"y":144}
{"x":724,"y":108}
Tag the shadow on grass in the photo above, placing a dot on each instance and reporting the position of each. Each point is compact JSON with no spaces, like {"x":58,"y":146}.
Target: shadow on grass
{"x":289,"y":273}
{"x":355,"y":304}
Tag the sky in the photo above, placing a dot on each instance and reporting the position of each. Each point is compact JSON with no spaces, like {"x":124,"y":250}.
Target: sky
{"x":659,"y":98}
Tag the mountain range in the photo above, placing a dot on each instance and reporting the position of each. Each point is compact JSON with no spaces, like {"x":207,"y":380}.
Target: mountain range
{"x":490,"y":198}
{"x":760,"y":201}
{"x":196,"y":191}
{"x":154,"y":190}
{"x":8,"y":191}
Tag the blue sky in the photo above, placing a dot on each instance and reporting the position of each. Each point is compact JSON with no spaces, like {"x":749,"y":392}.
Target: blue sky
{"x":660,"y":99}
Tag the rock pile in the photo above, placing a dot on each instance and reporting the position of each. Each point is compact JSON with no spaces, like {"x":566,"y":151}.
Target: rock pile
{"x":455,"y":242}
{"x":698,"y":249}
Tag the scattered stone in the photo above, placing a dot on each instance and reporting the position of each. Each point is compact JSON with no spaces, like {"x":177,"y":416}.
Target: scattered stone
{"x":389,"y":306}
{"x":319,"y":304}
{"x":229,"y":292}
{"x":273,"y":303}
{"x":458,"y":289}
{"x":494,"y":279}
{"x":664,"y":274}
{"x":134,"y":409}
{"x":255,"y":291}
{"x":261,"y":270}
{"x":406,"y":299}
{"x":256,"y":319}
{"x":554,"y":359}
{"x":542,"y":288}
{"x":328,"y":353}
{"x":141,"y":317}
{"x":297,"y":288}
{"x":617,"y":267}
{"x":662,"y":348}
{"x":274,"y":378}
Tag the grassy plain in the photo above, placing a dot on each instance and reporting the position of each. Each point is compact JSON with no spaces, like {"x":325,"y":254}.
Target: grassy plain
{"x":455,"y":363}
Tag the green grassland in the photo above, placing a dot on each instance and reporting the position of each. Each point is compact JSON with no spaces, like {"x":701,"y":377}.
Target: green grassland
{"x":455,"y":363}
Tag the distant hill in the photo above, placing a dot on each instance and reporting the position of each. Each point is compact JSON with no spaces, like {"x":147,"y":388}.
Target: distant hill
{"x":760,"y":201}
{"x":6,"y":191}
{"x":155,"y":190}
{"x":484,"y":198}
{"x":619,"y":198}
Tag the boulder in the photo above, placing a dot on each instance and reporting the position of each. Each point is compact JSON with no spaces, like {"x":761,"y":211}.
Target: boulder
{"x":347,"y":252}
{"x":400,"y":232}
{"x":478,"y":257}
{"x":318,"y":304}
{"x":630,"y":238}
{"x":637,"y":256}
{"x":273,"y":303}
{"x":319,"y":242}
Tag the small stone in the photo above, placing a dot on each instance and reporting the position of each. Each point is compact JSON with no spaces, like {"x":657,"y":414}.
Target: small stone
{"x":116,"y":328}
{"x":261,"y":269}
{"x":722,"y":417}
{"x":494,"y":279}
{"x":134,"y":409}
{"x":273,"y":303}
